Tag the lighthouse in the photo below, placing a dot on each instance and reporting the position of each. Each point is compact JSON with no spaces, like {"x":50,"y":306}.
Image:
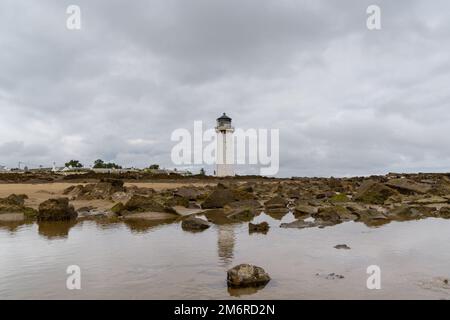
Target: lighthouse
{"x":225,"y":147}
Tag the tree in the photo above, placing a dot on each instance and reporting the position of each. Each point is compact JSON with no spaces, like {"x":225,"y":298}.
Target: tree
{"x":202,"y":172}
{"x":100,"y":164}
{"x":73,"y":164}
{"x":154,"y":167}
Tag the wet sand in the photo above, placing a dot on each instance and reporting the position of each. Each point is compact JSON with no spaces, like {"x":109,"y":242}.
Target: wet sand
{"x":40,"y":192}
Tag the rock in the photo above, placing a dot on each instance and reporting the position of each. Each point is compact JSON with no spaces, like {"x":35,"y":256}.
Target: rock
{"x":194,"y":224}
{"x":373,"y":192}
{"x":118,"y":208}
{"x":246,"y":275}
{"x":339,"y":198}
{"x":302,"y":224}
{"x":218,"y":216}
{"x":299,"y":224}
{"x":408,"y":186}
{"x":189,"y":193}
{"x":342,"y":246}
{"x":121,"y":196}
{"x":334,"y":214}
{"x":242,"y":214}
{"x":372,"y":218}
{"x":193,"y":205}
{"x":150,"y":216}
{"x":139,"y":203}
{"x":262,"y":227}
{"x":90,"y":213}
{"x":56,"y":210}
{"x":444,"y":212}
{"x":223,"y":195}
{"x":246,"y":204}
{"x":330,"y":276}
{"x":15,"y":204}
{"x":104,"y":189}
{"x":143,"y":191}
{"x":305,"y":210}
{"x":404,"y":213}
{"x":276,"y":203}
{"x":431,"y":200}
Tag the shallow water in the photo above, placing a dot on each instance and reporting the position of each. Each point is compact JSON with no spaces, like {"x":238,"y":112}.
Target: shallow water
{"x":161,"y":261}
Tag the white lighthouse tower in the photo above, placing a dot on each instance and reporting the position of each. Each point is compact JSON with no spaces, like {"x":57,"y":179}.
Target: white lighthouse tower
{"x":225,"y":147}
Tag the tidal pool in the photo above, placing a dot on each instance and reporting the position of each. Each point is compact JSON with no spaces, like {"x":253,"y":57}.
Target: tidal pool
{"x":158,"y":260}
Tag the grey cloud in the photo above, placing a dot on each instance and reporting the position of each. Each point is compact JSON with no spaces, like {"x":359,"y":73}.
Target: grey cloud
{"x":346,"y":100}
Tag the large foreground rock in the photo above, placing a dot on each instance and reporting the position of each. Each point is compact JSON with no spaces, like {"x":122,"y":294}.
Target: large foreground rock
{"x":56,"y":210}
{"x":247,"y":275}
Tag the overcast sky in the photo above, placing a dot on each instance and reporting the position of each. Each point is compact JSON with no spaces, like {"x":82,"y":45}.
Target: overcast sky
{"x":347,"y":100}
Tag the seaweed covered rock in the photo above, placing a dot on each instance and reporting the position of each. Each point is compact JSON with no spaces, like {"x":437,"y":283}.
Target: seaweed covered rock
{"x":276,"y":203}
{"x":16,"y":204}
{"x":105,"y":189}
{"x":139,"y":203}
{"x":373,"y":192}
{"x":223,"y":195}
{"x":247,"y":275}
{"x":56,"y":210}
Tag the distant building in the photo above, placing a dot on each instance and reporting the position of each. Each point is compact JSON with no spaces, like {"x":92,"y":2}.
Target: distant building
{"x":3,"y":169}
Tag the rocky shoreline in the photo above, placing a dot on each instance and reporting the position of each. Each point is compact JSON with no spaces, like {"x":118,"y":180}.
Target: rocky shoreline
{"x":315,"y":202}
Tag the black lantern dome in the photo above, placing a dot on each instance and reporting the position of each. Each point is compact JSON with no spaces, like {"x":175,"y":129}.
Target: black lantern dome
{"x":224,"y":121}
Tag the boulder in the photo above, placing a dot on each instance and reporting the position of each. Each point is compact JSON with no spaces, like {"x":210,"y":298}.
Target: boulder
{"x":276,"y":203}
{"x":334,"y":214}
{"x":372,"y":218}
{"x":139,"y":203}
{"x":408,"y":186}
{"x":188,"y":193}
{"x":305,"y":210}
{"x":262,"y":227}
{"x":246,"y":275}
{"x":194,"y":224}
{"x":56,"y":210}
{"x":373,"y":192}
{"x":15,"y":204}
{"x":12,"y":203}
{"x":104,"y":189}
{"x":444,"y":212}
{"x":223,"y":195}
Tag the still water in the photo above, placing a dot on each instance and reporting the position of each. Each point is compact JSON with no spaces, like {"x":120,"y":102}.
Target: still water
{"x":161,"y":261}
